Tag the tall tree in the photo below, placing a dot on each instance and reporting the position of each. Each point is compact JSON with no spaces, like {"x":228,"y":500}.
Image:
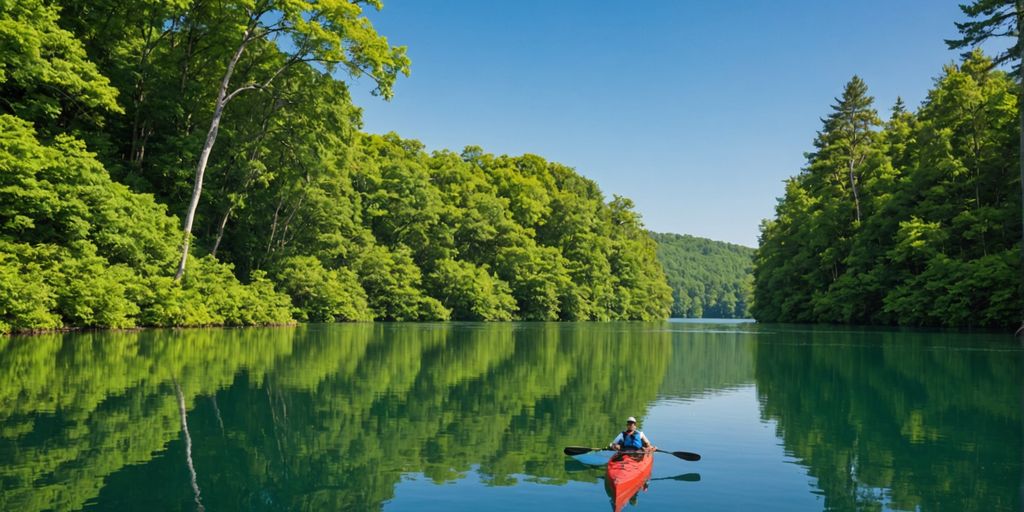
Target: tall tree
{"x":326,"y":33}
{"x":823,"y":210}
{"x":846,"y":141}
{"x":998,"y":19}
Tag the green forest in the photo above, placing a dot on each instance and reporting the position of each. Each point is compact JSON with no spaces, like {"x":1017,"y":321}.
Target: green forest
{"x":709,"y":279}
{"x":177,"y":163}
{"x":913,"y":220}
{"x":174,"y":163}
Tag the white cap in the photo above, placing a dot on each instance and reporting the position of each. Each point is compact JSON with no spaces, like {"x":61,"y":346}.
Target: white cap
{"x":630,"y":419}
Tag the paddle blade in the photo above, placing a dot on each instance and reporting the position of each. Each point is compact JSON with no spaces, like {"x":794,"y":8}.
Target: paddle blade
{"x":689,"y":477}
{"x":578,"y":450}
{"x":694,"y":457}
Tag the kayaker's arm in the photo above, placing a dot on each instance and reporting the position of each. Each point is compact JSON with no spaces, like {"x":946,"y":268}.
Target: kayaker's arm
{"x":648,"y":446}
{"x":616,"y":443}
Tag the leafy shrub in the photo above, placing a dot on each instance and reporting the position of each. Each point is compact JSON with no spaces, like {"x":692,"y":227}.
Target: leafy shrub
{"x":322,"y":295}
{"x":471,"y":292}
{"x":392,"y":281}
{"x":91,"y":253}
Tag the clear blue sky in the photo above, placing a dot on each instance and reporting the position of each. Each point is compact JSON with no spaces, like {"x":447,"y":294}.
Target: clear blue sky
{"x":695,"y":110}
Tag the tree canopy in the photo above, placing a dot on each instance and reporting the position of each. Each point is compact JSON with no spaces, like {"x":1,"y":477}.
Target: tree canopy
{"x":294,"y":214}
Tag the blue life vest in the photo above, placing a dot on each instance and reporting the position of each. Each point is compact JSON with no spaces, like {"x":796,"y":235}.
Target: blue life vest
{"x":632,"y":441}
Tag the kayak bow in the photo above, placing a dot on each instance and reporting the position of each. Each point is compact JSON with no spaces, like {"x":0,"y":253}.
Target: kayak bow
{"x":626,"y":474}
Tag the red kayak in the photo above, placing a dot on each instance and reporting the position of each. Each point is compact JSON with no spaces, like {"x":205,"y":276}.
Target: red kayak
{"x":626,"y":474}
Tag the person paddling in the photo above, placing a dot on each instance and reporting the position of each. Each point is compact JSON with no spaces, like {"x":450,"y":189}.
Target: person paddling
{"x":631,"y":439}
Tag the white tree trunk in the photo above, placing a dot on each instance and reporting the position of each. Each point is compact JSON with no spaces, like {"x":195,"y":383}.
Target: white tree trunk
{"x":204,"y":156}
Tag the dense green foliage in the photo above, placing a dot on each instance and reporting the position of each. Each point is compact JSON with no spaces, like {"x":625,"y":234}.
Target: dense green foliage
{"x":109,"y":105}
{"x":79,"y":249}
{"x":709,"y":279}
{"x":996,"y":21}
{"x":915,"y":220}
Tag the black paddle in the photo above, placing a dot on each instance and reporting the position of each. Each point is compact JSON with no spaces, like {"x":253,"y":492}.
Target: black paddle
{"x":690,"y":456}
{"x":580,"y":450}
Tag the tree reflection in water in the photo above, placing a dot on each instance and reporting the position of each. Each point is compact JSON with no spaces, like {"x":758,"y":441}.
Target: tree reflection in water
{"x":332,"y":416}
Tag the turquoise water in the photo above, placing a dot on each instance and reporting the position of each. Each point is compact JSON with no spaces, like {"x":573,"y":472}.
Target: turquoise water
{"x":469,"y":416}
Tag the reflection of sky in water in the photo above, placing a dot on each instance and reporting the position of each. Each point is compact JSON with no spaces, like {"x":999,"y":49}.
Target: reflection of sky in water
{"x":743,"y":468}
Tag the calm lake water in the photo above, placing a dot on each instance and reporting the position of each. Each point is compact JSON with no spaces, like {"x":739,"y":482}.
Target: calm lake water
{"x":474,"y":417}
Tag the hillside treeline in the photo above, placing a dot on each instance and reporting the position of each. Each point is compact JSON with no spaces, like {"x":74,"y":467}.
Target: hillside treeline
{"x":709,"y":279}
{"x":913,"y":220}
{"x":123,"y":121}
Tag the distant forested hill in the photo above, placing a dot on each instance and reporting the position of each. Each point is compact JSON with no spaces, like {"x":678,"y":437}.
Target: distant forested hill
{"x":709,"y":279}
